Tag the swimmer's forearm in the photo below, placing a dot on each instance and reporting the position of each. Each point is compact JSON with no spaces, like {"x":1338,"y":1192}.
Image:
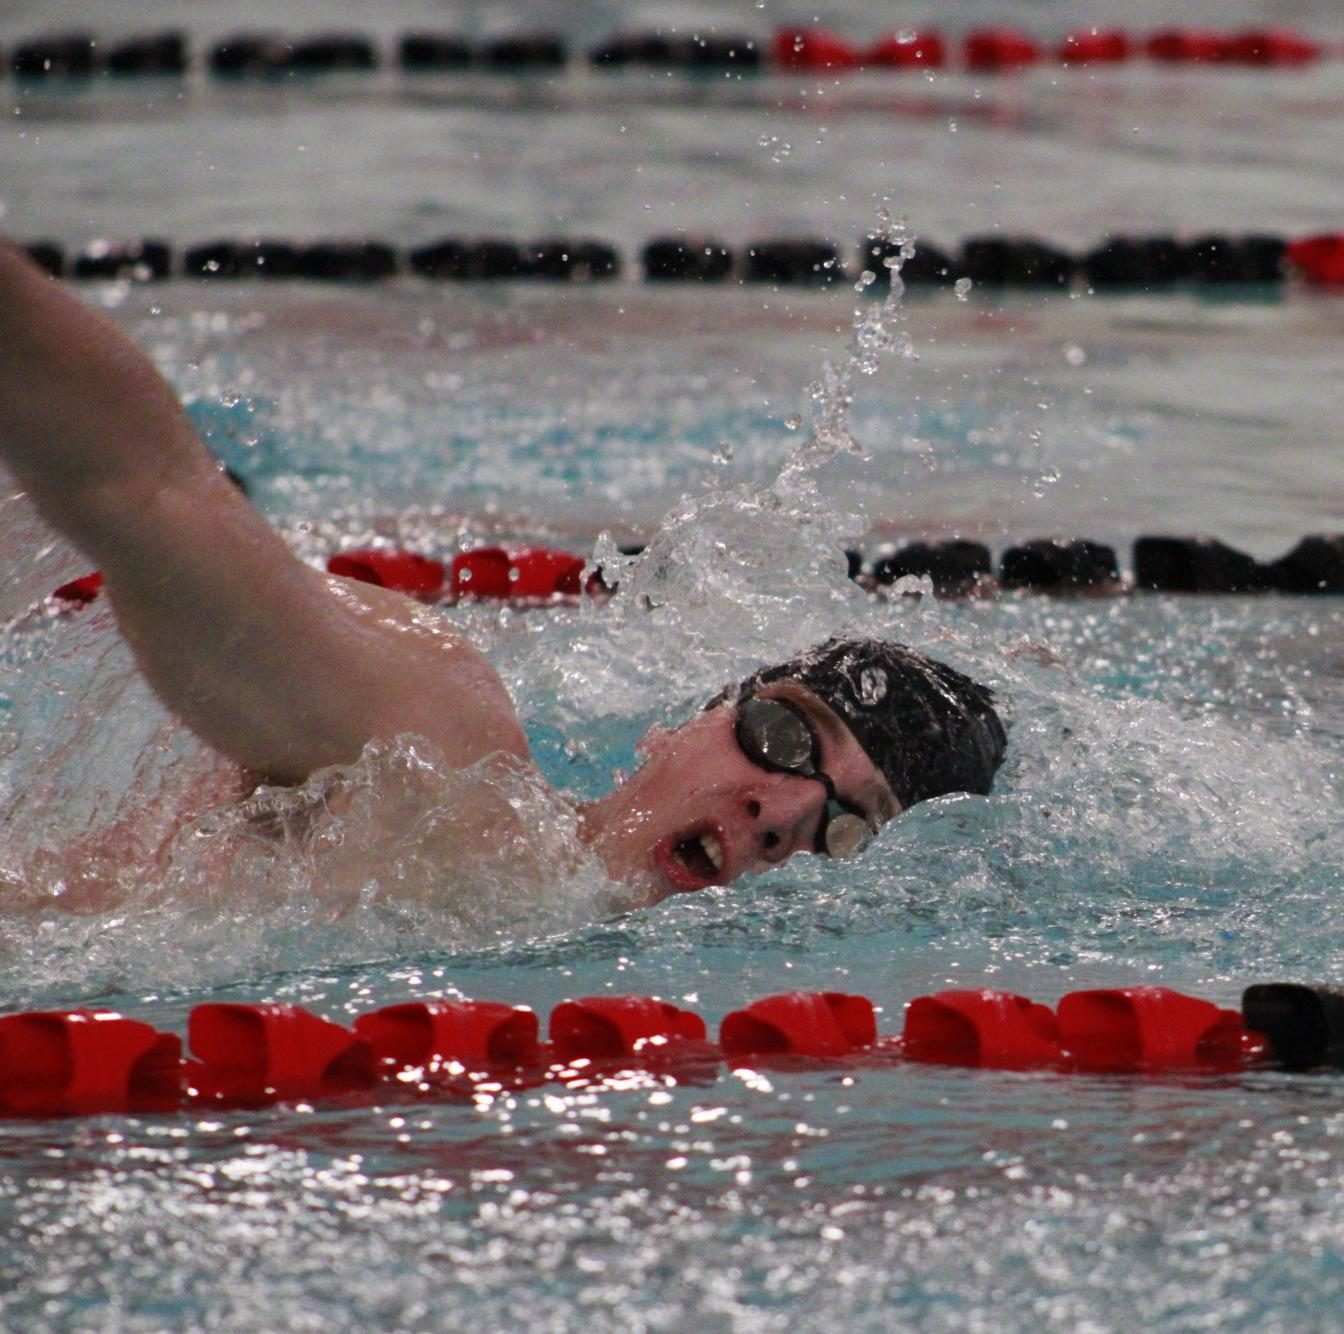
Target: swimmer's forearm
{"x":86,"y":422}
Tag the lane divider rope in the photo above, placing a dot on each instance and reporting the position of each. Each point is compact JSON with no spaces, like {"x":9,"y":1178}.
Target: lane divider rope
{"x":87,"y":1061}
{"x":1214,"y":260}
{"x":79,"y":55}
{"x":536,"y":575}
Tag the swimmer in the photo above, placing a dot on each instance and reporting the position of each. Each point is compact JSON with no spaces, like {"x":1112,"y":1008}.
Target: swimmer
{"x":286,"y":670}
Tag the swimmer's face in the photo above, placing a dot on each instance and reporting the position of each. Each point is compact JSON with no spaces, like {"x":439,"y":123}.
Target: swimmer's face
{"x":701,"y":812}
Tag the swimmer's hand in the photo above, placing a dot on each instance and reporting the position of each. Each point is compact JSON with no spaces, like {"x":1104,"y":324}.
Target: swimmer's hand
{"x":282,"y":668}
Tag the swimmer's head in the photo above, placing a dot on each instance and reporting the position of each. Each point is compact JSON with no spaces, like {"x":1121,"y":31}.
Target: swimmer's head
{"x":810,"y":755}
{"x":927,"y":727}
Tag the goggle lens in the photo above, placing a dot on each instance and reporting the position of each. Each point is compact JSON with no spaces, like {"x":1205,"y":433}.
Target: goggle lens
{"x":845,"y":834}
{"x":775,"y":737}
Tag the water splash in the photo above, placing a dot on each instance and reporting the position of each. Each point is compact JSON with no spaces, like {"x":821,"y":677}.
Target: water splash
{"x":739,"y":575}
{"x":878,"y":333}
{"x":362,"y":861}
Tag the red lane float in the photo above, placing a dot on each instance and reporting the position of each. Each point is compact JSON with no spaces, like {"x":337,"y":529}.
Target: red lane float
{"x":1187,"y":46}
{"x":60,"y":1062}
{"x":268,"y":1052}
{"x":994,"y":1029}
{"x":800,"y":1023}
{"x":810,"y":50}
{"x":1319,"y":259}
{"x":1093,"y":47}
{"x":524,"y":572}
{"x":80,"y":592}
{"x":1272,"y":47}
{"x":610,"y":1027}
{"x":475,"y":1035}
{"x":403,"y":571}
{"x":901,"y":50}
{"x":601,"y":1040}
{"x":999,"y":49}
{"x":1151,"y":1028}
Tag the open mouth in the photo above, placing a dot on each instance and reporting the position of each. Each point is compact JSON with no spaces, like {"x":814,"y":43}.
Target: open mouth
{"x":694,"y":861}
{"x":702,"y":854}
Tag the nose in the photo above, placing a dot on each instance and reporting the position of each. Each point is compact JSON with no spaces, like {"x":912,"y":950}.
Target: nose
{"x":780,"y":813}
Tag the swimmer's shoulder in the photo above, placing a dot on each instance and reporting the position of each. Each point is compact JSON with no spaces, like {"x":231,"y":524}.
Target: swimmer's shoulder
{"x":438,"y":684}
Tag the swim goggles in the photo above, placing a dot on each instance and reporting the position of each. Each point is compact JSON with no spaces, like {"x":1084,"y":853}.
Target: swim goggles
{"x":778,"y":738}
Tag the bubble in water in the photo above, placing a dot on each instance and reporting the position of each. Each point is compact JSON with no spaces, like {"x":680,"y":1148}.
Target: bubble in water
{"x":1075,"y":355}
{"x":962,"y":287}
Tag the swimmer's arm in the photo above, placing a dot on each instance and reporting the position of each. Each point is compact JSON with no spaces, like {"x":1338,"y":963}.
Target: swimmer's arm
{"x":281,"y":668}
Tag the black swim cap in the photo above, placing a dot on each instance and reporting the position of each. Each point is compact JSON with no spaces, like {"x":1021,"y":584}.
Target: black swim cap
{"x":929,"y":728}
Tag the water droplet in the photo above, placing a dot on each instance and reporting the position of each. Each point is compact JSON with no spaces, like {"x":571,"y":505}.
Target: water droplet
{"x":872,"y":686}
{"x":1075,"y":355}
{"x":1045,"y":481}
{"x":962,"y":287}
{"x":793,"y":421}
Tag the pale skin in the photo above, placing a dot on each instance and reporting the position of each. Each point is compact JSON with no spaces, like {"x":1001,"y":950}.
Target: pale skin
{"x":285,"y":670}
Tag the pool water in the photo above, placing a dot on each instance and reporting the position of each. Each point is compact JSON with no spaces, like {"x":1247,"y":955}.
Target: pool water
{"x":1168,"y":812}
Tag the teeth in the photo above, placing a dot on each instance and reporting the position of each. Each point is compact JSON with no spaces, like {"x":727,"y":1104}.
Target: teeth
{"x":713,"y":850}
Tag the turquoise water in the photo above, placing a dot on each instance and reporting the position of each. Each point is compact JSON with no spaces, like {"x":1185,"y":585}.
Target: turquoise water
{"x":1168,"y":813}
